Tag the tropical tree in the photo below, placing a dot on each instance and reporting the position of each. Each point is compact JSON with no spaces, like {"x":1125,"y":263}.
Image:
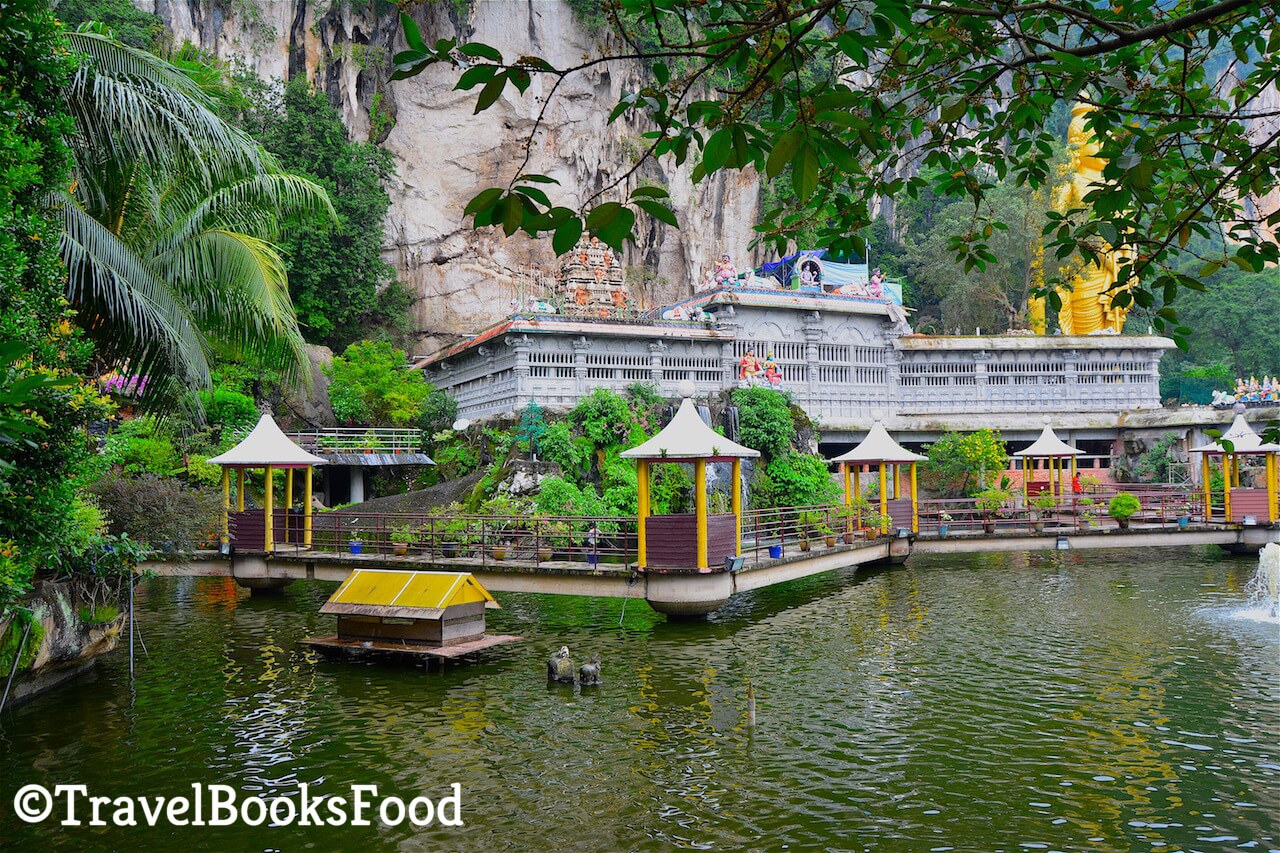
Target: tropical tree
{"x":169,"y":223}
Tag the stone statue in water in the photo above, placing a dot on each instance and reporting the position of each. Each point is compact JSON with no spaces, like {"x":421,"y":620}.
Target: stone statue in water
{"x":589,"y":674}
{"x":560,"y":667}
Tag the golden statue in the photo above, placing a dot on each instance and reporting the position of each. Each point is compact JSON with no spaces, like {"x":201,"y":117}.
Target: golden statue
{"x":1086,"y":307}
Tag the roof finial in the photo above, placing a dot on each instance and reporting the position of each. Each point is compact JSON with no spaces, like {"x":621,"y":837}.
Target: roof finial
{"x":877,"y":415}
{"x":686,"y":388}
{"x":1045,"y":420}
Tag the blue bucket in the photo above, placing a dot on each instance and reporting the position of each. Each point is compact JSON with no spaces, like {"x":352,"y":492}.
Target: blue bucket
{"x":775,"y":552}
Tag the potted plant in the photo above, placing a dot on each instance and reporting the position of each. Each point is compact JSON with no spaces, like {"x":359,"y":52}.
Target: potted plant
{"x":499,"y":551}
{"x":401,"y":537}
{"x":456,"y":537}
{"x":814,"y":523}
{"x":1040,"y":508}
{"x":847,"y":516}
{"x":1123,"y":507}
{"x":874,"y":523}
{"x":551,"y":535}
{"x":989,"y":502}
{"x":355,"y":543}
{"x":944,"y":523}
{"x":1085,"y":511}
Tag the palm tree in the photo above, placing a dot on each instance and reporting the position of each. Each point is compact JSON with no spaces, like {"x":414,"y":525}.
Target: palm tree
{"x":169,"y":223}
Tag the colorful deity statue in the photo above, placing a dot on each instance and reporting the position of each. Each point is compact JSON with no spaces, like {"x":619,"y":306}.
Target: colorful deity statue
{"x":1087,"y":307}
{"x":748,"y":369}
{"x":725,"y":272}
{"x":772,"y":374}
{"x":875,"y":286}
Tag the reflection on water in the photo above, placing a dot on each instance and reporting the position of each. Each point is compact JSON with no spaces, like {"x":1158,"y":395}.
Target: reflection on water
{"x":1067,"y":701}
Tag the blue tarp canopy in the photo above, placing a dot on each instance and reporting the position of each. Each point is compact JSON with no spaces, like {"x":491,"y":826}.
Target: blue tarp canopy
{"x":813,"y":270}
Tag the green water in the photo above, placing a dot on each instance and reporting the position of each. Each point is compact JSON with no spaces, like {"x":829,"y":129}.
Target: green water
{"x":1077,"y":701}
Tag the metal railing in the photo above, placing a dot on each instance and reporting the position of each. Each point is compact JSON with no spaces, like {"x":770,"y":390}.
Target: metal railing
{"x":480,"y":540}
{"x":767,"y":534}
{"x":359,"y":440}
{"x":1161,"y":507}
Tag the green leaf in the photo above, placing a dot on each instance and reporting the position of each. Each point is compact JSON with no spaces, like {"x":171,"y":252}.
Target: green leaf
{"x":474,"y":76}
{"x":567,"y":235}
{"x":513,"y":216}
{"x":483,"y":201}
{"x":716,"y":151}
{"x":412,"y":35}
{"x":602,"y":214}
{"x":481,"y":50}
{"x":954,"y":109}
{"x":490,"y":93}
{"x":658,"y":211}
{"x":784,"y":151}
{"x":652,"y":192}
{"x":804,"y":171}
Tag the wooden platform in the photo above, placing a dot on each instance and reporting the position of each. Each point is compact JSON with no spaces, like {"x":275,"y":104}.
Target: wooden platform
{"x":332,"y":643}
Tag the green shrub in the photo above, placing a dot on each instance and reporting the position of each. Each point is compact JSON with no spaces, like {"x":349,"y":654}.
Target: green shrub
{"x":138,"y":446}
{"x":558,"y":496}
{"x":670,"y":489}
{"x":1124,"y":506}
{"x":228,"y":409}
{"x":372,"y":385}
{"x":990,"y":501}
{"x":557,"y":446}
{"x":794,"y":479}
{"x":764,"y":420}
{"x":965,"y":464}
{"x":603,"y":417}
{"x":158,"y":511}
{"x":439,"y":411}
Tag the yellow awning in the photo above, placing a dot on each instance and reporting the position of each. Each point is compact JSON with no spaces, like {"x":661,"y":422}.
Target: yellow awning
{"x":401,"y":594}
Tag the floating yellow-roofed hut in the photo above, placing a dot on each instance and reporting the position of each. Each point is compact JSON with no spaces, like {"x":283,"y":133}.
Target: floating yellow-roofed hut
{"x":431,"y":614}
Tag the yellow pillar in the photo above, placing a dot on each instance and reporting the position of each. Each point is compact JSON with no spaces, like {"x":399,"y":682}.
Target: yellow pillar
{"x":897,"y":481}
{"x":857,"y":489}
{"x":884,"y":504}
{"x":226,"y":501}
{"x":1073,"y":475}
{"x":642,"y":489}
{"x":1226,"y":487}
{"x":848,"y":484}
{"x":915,"y":506}
{"x":737,"y":504}
{"x":269,"y":542}
{"x":240,"y":489}
{"x":288,"y":500}
{"x":1273,"y":485}
{"x":700,"y":508}
{"x":1204,"y":484}
{"x":1025,"y":477}
{"x":306,"y":508}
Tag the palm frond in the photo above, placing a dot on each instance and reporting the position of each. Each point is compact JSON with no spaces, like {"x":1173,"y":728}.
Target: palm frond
{"x":238,"y":290}
{"x":130,"y":313}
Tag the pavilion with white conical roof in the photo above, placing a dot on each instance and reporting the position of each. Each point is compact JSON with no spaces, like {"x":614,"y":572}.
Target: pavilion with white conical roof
{"x":1053,"y":451}
{"x":266,"y":448}
{"x":664,"y":540}
{"x":1238,"y":502}
{"x":879,"y":449}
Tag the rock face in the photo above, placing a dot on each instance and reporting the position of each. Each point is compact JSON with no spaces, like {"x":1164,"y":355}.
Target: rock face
{"x":464,"y":279}
{"x":62,"y":645}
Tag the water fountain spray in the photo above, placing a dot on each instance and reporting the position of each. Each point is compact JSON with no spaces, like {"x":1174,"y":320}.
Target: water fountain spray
{"x":1264,"y":588}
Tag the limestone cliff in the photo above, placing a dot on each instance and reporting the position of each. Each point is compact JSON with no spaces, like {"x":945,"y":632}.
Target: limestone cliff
{"x":464,"y":279}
